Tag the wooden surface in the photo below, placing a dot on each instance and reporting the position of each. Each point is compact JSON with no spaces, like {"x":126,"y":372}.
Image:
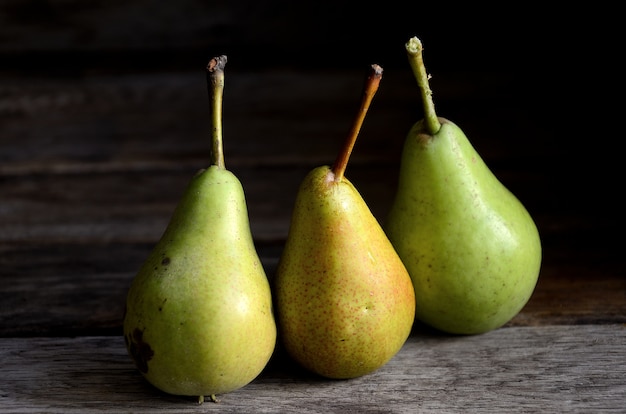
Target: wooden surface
{"x":104,"y":119}
{"x":525,"y":369}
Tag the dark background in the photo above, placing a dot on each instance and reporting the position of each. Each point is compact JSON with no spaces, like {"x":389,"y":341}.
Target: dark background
{"x":562,"y":61}
{"x":555,"y":114}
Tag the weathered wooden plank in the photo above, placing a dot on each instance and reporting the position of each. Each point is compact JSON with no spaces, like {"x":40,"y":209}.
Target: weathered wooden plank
{"x":160,"y":120}
{"x":135,"y":205}
{"x":163,"y":120}
{"x":576,"y":369}
{"x":77,"y":288}
{"x":72,"y":289}
{"x":278,"y":124}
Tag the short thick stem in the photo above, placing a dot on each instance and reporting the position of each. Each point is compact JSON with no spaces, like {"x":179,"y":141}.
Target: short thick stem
{"x":369,"y":90}
{"x":215,"y":84}
{"x":414,"y":51}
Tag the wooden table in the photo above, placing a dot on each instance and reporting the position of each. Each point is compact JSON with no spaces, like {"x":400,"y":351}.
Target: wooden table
{"x":93,"y":159}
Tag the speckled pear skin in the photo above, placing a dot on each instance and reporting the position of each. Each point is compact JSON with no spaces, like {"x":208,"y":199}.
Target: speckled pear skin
{"x":345,"y":302}
{"x":472,"y":249}
{"x":199,"y":317}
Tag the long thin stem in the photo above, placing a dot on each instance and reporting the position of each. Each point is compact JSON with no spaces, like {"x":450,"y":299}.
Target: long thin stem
{"x":414,"y":51}
{"x":369,"y":90}
{"x":215,"y":84}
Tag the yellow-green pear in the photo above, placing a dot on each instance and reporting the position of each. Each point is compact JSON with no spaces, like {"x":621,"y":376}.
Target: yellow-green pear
{"x":344,"y":300}
{"x":472,"y":249}
{"x":199,"y":318}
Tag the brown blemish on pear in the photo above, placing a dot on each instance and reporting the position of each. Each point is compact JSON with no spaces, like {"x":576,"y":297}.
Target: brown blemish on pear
{"x":140,"y":351}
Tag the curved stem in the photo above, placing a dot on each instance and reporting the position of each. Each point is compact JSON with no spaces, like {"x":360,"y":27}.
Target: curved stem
{"x":414,"y":51}
{"x":215,"y":84}
{"x":369,"y":90}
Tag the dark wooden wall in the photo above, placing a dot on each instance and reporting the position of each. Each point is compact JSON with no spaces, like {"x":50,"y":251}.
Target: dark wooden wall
{"x":103,"y":118}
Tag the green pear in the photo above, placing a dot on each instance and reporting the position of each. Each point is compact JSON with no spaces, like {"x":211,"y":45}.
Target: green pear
{"x":199,"y":318}
{"x":472,"y":249}
{"x":344,"y":300}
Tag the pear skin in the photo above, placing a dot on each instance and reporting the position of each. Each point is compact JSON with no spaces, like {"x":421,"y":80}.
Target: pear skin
{"x":199,"y":314}
{"x":201,"y":295}
{"x":472,"y":249}
{"x":345,"y":303}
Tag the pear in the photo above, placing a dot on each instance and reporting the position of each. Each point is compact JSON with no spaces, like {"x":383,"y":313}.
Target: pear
{"x":472,"y":249}
{"x":199,"y":319}
{"x":344,"y":300}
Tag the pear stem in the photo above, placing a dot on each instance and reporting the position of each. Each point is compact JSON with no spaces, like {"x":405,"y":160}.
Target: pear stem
{"x":369,"y":90}
{"x":414,"y":51}
{"x":215,"y":84}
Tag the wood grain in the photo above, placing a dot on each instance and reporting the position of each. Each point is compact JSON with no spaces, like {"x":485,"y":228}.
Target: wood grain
{"x":577,"y":369}
{"x":58,"y":289}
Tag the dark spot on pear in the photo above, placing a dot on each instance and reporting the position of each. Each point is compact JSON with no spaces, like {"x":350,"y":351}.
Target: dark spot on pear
{"x":140,"y":351}
{"x":165,"y":261}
